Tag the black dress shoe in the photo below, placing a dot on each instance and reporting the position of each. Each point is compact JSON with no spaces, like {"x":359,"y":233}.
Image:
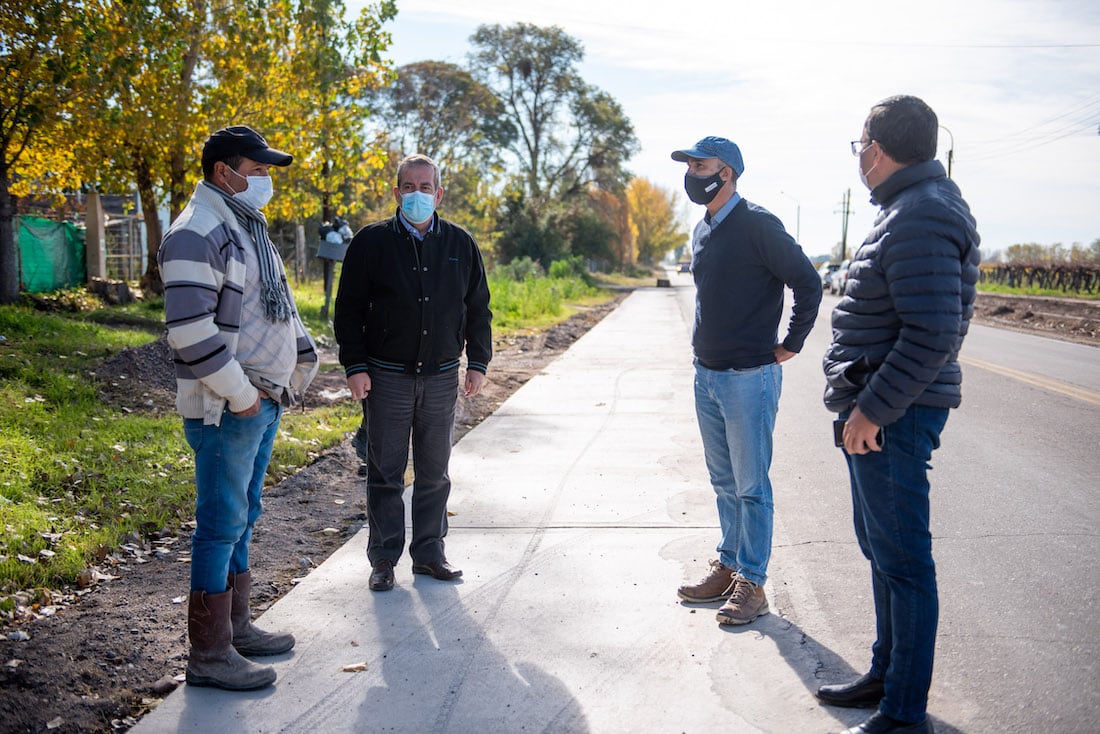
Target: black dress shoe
{"x":381,"y":577}
{"x":880,"y":723}
{"x":864,"y":692}
{"x":438,"y":570}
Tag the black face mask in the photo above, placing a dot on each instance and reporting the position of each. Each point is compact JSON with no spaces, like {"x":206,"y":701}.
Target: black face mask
{"x":703,"y":190}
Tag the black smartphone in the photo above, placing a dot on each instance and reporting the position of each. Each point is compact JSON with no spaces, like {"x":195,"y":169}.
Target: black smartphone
{"x":838,"y":434}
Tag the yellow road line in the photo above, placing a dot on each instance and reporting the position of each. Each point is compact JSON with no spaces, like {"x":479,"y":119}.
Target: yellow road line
{"x":1045,"y":383}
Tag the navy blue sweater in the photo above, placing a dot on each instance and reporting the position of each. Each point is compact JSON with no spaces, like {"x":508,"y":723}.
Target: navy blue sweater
{"x":740,"y":269}
{"x":910,"y":295}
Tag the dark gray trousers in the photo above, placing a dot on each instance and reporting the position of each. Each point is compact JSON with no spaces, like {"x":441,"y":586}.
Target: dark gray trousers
{"x":401,"y":406}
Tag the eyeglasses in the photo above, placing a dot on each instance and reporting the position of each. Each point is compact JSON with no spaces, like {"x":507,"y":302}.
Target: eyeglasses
{"x":858,"y":147}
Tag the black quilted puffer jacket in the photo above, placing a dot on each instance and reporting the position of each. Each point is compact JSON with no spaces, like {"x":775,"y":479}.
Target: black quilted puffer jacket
{"x":910,"y":295}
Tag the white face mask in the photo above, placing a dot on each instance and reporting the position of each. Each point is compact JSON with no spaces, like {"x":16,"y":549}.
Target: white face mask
{"x":259,"y":192}
{"x":863,"y":176}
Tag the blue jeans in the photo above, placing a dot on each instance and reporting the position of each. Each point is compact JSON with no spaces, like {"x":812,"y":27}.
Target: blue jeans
{"x":736,"y":413}
{"x":422,"y":407}
{"x":230,"y":463}
{"x":891,"y":513}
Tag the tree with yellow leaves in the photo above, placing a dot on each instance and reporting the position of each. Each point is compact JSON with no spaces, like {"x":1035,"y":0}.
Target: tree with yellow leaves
{"x":173,"y":71}
{"x":653,"y":220}
{"x":50,"y":62}
{"x":307,"y":87}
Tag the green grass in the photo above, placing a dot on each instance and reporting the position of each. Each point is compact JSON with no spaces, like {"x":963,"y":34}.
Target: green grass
{"x":537,"y":302}
{"x":79,"y":478}
{"x":1049,"y":292}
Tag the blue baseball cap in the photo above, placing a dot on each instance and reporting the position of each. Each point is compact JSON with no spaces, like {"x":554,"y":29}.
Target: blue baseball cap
{"x":713,"y":147}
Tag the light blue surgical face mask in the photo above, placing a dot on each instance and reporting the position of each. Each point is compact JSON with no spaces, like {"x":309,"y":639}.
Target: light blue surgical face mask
{"x":417,"y":206}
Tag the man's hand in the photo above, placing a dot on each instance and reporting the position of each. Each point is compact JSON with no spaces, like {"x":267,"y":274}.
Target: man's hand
{"x":782,"y":354}
{"x":249,"y":412}
{"x":359,"y":384}
{"x":860,"y":434}
{"x":474,"y":381}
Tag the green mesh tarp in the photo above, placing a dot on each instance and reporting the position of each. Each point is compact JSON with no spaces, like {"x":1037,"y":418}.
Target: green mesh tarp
{"x":52,"y":254}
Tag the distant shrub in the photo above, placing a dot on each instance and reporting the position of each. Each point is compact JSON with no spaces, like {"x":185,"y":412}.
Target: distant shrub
{"x":520,"y":269}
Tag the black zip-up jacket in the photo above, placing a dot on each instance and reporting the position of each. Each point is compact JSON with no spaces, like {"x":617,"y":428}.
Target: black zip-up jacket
{"x":412,"y":307}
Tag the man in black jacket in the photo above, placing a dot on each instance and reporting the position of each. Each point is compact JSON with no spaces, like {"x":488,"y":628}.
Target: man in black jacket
{"x":412,"y":297}
{"x":892,"y":374}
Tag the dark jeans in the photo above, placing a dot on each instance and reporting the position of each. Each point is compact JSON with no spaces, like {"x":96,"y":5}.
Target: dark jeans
{"x":400,"y":406}
{"x":891,"y":513}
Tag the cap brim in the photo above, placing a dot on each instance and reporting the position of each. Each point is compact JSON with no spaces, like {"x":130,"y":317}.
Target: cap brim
{"x":684,"y":155}
{"x":270,"y":156}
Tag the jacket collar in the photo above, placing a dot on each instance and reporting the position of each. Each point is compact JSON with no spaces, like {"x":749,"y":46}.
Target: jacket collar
{"x":905,"y":178}
{"x":399,"y":227}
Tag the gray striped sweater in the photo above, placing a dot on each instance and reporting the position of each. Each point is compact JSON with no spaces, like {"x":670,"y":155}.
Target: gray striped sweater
{"x":203,"y":265}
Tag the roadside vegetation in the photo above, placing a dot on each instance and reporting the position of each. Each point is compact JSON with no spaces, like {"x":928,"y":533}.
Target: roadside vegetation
{"x":1007,"y":290}
{"x":1044,"y":270}
{"x":80,"y":478}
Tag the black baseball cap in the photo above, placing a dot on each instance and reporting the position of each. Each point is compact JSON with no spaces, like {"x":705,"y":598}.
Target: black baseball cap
{"x":241,"y":140}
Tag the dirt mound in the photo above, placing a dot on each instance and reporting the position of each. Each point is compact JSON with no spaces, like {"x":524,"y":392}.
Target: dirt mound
{"x":1072,"y":319}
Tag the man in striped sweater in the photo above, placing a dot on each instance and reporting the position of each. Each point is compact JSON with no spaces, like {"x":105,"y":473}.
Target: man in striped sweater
{"x":242,"y":356}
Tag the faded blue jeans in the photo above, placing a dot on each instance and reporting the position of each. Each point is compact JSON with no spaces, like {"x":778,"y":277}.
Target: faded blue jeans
{"x":230,"y":463}
{"x":422,"y":407}
{"x":891,"y":514}
{"x":736,"y":412}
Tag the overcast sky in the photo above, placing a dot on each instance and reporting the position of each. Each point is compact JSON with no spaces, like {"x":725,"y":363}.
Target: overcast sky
{"x":1017,"y":83}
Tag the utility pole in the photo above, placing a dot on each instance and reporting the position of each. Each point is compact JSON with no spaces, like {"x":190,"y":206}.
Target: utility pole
{"x":846,"y":204}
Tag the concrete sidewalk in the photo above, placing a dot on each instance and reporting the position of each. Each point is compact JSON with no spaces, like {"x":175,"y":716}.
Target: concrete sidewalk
{"x":579,"y":507}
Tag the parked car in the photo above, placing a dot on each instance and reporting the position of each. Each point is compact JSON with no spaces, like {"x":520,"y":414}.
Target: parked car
{"x":826,"y":271}
{"x":838,"y":281}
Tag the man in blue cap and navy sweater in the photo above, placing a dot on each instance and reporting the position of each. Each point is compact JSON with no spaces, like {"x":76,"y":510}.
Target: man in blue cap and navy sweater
{"x":742,"y":259}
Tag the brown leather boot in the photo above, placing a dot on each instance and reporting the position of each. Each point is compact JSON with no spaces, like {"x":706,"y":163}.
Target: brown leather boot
{"x":248,"y":638}
{"x":212,"y":660}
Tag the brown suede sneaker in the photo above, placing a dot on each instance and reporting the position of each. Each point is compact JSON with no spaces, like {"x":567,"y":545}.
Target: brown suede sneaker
{"x":746,"y":603}
{"x":715,"y":587}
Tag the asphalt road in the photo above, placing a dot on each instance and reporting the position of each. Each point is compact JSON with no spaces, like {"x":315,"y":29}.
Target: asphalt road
{"x":1015,"y":519}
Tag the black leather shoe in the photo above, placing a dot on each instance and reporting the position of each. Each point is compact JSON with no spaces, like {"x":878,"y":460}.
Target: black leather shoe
{"x":864,"y":692}
{"x":438,"y":570}
{"x":381,"y":576}
{"x":880,"y":723}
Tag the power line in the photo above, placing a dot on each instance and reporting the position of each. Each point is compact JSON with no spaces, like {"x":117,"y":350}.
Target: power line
{"x":1089,"y":106}
{"x":1079,"y":119}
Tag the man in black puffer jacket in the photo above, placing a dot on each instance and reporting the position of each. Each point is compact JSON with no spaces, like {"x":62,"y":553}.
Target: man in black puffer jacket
{"x":892,"y":374}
